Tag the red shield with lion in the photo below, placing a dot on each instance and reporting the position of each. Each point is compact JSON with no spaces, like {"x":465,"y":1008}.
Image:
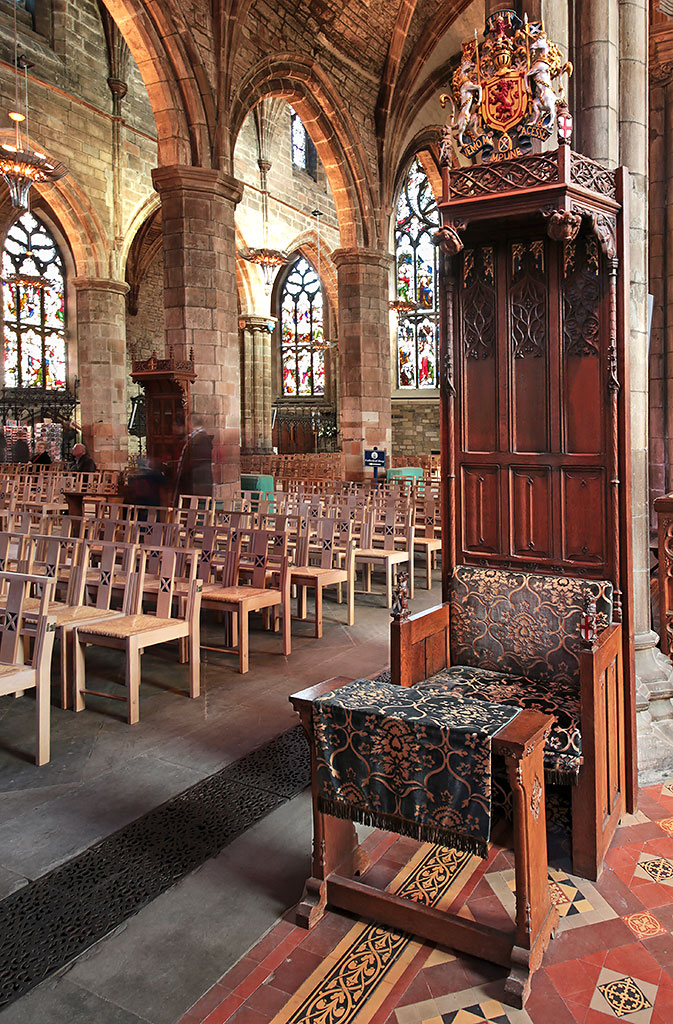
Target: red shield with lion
{"x":505,"y":100}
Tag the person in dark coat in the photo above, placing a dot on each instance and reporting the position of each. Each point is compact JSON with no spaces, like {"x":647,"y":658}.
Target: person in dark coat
{"x":82,"y":461}
{"x":41,"y":456}
{"x":20,"y":449}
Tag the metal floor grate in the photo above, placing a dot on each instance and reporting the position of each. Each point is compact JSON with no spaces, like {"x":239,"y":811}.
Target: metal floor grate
{"x":48,"y":922}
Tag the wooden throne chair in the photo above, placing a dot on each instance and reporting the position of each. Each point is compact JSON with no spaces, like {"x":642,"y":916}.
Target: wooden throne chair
{"x":536,"y":555}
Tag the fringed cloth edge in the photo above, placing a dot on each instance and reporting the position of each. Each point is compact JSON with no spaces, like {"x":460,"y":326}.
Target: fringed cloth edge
{"x":561,"y":776}
{"x":452,"y":840}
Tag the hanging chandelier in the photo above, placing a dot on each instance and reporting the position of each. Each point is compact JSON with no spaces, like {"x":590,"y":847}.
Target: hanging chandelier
{"x":403,"y":306}
{"x":267,"y":259}
{"x":37,"y":283}
{"x":321,"y":344}
{"x":20,"y":165}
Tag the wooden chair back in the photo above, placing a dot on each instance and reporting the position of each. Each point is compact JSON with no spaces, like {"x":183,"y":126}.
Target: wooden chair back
{"x":104,"y":565}
{"x":15,"y":588}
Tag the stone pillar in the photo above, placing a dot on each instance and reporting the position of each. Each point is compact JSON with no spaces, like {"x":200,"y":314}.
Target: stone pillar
{"x":660,"y":217}
{"x":197,"y":206}
{"x":364,"y":353}
{"x":598,"y":85}
{"x":101,"y":348}
{"x":256,"y":383}
{"x":654,"y":673}
{"x":654,"y":670}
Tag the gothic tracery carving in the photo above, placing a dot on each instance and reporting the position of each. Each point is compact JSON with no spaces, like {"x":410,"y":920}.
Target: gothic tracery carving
{"x":581,"y":325}
{"x":478,"y":303}
{"x":528,"y":300}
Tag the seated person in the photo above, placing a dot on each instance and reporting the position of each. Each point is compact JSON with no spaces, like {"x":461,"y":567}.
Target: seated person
{"x":41,"y":456}
{"x":82,"y":461}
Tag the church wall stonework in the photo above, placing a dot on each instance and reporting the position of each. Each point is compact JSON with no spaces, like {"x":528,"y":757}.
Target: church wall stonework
{"x":415,"y":426}
{"x":146,"y":331}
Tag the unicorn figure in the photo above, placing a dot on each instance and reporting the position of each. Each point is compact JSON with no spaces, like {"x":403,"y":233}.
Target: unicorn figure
{"x":538,"y":78}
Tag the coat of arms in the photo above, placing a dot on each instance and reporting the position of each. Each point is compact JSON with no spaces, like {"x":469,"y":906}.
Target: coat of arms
{"x":502,"y":92}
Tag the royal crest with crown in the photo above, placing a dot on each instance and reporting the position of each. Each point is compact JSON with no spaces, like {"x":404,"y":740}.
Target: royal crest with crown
{"x":502,"y":92}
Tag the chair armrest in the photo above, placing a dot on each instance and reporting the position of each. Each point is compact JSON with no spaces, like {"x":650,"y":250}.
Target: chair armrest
{"x":419,"y":646}
{"x":594,"y":660}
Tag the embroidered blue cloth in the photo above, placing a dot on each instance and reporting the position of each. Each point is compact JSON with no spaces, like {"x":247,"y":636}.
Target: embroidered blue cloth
{"x":413,"y":762}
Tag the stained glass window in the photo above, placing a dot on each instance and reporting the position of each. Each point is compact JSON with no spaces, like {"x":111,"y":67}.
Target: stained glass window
{"x":304,"y":155}
{"x":34,"y":314}
{"x":301,"y":318}
{"x":416,"y":263}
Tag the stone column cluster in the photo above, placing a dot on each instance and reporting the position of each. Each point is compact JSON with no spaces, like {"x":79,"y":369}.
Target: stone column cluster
{"x":197,"y":206}
{"x":364,"y":353}
{"x":612,"y":117}
{"x":256,"y":397}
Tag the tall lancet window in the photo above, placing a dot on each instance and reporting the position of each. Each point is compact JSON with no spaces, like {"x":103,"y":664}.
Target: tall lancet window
{"x":302,"y":332}
{"x":33,"y":296}
{"x":417,"y":261}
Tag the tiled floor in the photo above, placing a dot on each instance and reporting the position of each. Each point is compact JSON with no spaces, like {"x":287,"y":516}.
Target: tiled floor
{"x":612,"y":959}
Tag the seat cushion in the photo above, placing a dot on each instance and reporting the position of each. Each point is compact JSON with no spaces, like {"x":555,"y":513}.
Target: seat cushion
{"x":525,"y":624}
{"x":563,"y":749}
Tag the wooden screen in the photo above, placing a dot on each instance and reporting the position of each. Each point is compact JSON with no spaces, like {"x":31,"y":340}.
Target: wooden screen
{"x":533,"y":415}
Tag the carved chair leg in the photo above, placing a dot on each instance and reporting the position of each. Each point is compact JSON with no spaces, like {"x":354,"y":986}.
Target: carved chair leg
{"x":536,"y":917}
{"x":335,"y":846}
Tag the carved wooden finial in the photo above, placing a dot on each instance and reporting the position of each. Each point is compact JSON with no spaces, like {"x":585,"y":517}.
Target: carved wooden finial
{"x":588,"y":625}
{"x":400,"y":609}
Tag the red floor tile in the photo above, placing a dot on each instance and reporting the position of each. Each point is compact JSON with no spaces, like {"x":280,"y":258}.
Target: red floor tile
{"x":279,"y":933}
{"x":225,"y":1010}
{"x":573,"y":978}
{"x":268,"y":1000}
{"x":577,"y":943}
{"x":208,"y":1002}
{"x":284,"y":949}
{"x":238,"y":973}
{"x":545,"y":1004}
{"x":327,"y":934}
{"x":253,"y":981}
{"x":417,"y":991}
{"x":562,"y":989}
{"x":636,"y":961}
{"x":295,"y":970}
{"x":247,"y":1016}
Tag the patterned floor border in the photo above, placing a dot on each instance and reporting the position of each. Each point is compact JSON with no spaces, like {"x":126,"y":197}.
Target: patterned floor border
{"x":370,"y":959}
{"x":49,"y":922}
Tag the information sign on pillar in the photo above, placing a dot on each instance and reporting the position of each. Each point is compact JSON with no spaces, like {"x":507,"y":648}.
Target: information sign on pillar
{"x":375,"y":458}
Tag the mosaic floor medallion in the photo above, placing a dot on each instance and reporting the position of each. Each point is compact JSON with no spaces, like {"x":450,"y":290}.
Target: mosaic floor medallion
{"x":644,"y":924}
{"x":656,"y":869}
{"x":624,"y":997}
{"x":667,"y":789}
{"x":577,"y":900}
{"x":667,"y":825}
